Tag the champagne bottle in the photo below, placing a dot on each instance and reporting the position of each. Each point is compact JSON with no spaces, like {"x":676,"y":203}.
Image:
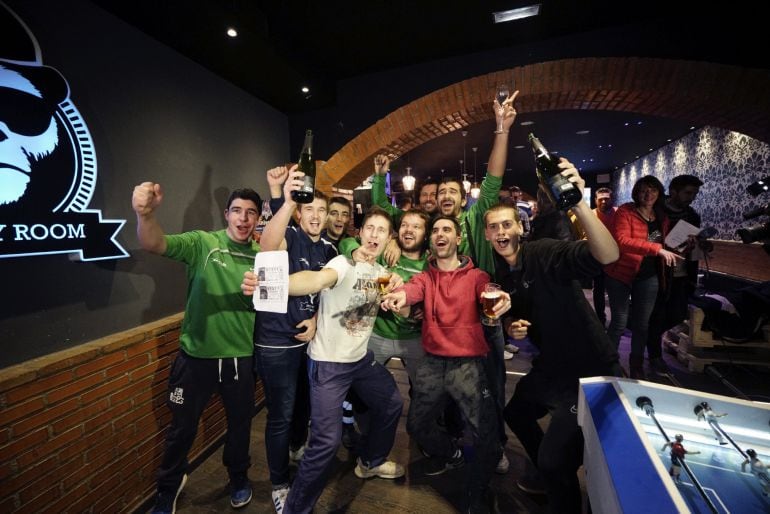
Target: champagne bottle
{"x":307,"y":166}
{"x":563,"y":193}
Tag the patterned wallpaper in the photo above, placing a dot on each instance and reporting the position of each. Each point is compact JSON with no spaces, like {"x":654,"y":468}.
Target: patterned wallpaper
{"x":725,"y":161}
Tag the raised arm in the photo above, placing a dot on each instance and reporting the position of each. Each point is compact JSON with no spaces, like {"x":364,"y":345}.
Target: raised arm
{"x":505,"y":114}
{"x":274,"y":233}
{"x":379,"y":198}
{"x":146,"y":198}
{"x":601,"y":244}
{"x":310,"y":282}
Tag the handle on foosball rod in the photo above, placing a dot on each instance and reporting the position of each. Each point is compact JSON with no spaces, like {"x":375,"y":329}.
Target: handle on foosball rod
{"x":645,"y":404}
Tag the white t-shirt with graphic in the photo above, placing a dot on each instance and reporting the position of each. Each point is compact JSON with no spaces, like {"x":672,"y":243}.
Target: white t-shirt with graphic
{"x":346,"y":312}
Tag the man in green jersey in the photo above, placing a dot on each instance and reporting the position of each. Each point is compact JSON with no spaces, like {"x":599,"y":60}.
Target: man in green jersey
{"x":216,"y":345}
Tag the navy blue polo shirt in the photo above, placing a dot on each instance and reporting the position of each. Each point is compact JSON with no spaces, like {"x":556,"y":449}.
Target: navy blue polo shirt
{"x":304,"y":254}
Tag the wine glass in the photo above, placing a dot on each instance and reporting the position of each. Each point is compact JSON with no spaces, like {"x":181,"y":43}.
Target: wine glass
{"x":503,"y":91}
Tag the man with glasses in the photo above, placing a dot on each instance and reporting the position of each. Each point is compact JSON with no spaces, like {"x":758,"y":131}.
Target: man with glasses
{"x":216,"y":351}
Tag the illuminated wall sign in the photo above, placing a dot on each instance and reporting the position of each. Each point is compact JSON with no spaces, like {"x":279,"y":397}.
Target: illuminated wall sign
{"x":47,"y":159}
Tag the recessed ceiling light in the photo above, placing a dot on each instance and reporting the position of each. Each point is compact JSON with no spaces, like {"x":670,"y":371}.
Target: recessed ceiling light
{"x":668,"y":140}
{"x":582,"y":132}
{"x":692,"y":128}
{"x":305,"y":89}
{"x":519,"y":147}
{"x":526,"y":123}
{"x":609,"y":146}
{"x":516,"y":14}
{"x":232,"y":32}
{"x":638,"y":122}
{"x":626,"y":124}
{"x":600,"y":146}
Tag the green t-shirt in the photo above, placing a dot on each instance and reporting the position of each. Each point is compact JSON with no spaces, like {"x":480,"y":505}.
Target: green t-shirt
{"x":482,"y":253}
{"x":389,"y":324}
{"x":219,"y":319}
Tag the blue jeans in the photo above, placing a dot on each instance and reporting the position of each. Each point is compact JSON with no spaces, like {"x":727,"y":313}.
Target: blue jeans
{"x":329,"y":382}
{"x":283,"y":374}
{"x":643,"y":294}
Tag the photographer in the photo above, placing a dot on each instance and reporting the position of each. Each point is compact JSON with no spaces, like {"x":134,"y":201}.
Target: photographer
{"x":671,"y":304}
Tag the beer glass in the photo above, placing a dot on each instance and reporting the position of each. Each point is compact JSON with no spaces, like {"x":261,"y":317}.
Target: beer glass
{"x":383,"y":281}
{"x":489,"y":298}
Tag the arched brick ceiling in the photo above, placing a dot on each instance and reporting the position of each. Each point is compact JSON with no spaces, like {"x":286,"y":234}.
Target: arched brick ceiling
{"x":700,"y":93}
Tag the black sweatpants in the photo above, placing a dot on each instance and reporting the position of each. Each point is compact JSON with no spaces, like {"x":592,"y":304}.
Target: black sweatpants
{"x":191,"y":384}
{"x":557,"y":452}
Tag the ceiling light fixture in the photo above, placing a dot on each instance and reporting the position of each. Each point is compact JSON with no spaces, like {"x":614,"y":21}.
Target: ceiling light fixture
{"x":516,"y":14}
{"x":526,"y":123}
{"x":408,"y":180}
{"x":231,"y":32}
{"x":305,"y":89}
{"x":466,"y":182}
{"x":475,"y":189}
{"x":582,"y":132}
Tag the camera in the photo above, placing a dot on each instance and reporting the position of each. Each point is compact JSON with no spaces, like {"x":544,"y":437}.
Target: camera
{"x":757,"y":233}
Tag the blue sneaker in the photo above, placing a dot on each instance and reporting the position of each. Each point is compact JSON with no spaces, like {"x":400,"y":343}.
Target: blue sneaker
{"x":240,"y":494}
{"x":165,"y":502}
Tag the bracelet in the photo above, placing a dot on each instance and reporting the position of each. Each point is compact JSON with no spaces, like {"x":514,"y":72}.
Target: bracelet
{"x":500,"y":132}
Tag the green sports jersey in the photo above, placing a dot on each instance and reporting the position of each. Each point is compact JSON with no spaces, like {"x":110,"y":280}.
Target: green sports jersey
{"x":219,"y":319}
{"x":473,"y":243}
{"x":389,"y":324}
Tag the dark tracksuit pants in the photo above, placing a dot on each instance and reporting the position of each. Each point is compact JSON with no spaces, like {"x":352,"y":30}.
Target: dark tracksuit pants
{"x":464,"y":380}
{"x":557,"y":453}
{"x":495,"y":368}
{"x":191,"y":384}
{"x":329,"y":383}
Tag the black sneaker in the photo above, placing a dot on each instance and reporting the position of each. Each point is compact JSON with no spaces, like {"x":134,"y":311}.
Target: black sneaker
{"x":531,"y":483}
{"x":439,"y":466}
{"x":165,"y":502}
{"x":350,"y":436}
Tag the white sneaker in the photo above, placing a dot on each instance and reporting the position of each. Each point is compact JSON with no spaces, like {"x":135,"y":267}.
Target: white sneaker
{"x":296,"y":455}
{"x":387,"y":469}
{"x":279,"y":498}
{"x":511,"y":348}
{"x":507,"y":355}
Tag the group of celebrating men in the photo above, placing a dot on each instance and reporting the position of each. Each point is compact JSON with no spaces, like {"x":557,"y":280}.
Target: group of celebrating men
{"x":341,"y":328}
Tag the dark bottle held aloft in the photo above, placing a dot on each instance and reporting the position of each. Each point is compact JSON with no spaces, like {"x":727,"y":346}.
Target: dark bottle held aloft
{"x":306,"y":165}
{"x":563,"y":193}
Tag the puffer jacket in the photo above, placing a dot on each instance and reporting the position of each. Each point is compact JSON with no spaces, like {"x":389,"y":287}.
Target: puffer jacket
{"x":630,"y":231}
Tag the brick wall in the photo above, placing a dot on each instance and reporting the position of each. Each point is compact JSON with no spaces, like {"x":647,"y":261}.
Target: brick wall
{"x":82,"y":430}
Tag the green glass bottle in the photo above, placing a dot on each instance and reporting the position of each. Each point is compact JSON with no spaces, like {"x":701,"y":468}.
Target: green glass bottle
{"x":563,"y":193}
{"x":306,"y":165}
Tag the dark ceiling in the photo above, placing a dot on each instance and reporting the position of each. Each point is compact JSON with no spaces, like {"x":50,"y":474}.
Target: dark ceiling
{"x":284,"y":45}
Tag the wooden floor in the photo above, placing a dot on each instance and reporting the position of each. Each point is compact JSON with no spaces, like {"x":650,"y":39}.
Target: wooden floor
{"x":415,"y":493}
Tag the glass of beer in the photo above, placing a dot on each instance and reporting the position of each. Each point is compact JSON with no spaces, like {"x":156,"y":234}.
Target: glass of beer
{"x":489,"y":298}
{"x":383,"y":281}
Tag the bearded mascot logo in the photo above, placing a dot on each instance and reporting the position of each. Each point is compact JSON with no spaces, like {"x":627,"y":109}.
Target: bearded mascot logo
{"x":48,"y":165}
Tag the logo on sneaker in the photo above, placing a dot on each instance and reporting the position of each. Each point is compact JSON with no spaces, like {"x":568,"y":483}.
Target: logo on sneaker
{"x":573,"y":409}
{"x":177,"y":396}
{"x":485,"y":393}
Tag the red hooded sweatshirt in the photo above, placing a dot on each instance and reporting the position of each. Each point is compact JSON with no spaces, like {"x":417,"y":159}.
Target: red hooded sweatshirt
{"x":451,"y":326}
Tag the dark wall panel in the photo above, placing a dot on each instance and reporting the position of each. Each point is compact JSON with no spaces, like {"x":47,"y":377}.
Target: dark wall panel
{"x":153,"y":116}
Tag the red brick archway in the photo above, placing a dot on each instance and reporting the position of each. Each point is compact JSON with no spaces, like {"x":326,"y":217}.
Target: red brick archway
{"x":701,"y":93}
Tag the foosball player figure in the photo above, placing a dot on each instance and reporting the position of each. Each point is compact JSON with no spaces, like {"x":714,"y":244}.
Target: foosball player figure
{"x":677,"y":456}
